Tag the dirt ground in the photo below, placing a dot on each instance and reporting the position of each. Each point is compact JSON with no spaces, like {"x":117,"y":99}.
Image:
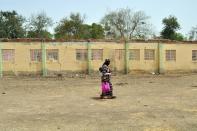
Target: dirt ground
{"x":143,"y":103}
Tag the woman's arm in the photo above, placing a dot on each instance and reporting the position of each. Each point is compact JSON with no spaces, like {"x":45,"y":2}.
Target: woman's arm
{"x":107,"y":73}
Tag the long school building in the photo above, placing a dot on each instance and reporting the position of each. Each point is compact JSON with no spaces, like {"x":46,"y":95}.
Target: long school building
{"x":49,"y":57}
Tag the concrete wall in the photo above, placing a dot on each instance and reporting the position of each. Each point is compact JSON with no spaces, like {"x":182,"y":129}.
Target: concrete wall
{"x":183,"y":61}
{"x":67,"y":57}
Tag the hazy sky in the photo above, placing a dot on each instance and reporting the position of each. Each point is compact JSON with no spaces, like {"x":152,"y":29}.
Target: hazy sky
{"x":184,"y":10}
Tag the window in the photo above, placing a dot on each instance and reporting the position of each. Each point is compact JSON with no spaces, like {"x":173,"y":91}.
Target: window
{"x":119,"y":54}
{"x":81,"y":54}
{"x":170,"y":55}
{"x":52,"y":54}
{"x":8,"y":55}
{"x":149,"y":54}
{"x":36,"y":55}
{"x":194,"y":55}
{"x":134,"y":54}
{"x":97,"y":54}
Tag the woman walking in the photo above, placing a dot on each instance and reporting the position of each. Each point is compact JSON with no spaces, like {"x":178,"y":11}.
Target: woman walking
{"x":105,"y":79}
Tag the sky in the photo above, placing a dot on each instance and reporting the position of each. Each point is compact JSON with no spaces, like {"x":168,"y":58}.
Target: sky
{"x":94,"y":10}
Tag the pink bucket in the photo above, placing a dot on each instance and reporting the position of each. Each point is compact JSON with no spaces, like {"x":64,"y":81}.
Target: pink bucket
{"x":105,"y":87}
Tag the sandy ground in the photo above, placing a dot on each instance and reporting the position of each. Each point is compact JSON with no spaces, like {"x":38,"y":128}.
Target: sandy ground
{"x":143,"y":103}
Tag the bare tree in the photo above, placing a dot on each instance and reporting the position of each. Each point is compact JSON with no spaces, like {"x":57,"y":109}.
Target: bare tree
{"x":127,"y":24}
{"x":193,"y":34}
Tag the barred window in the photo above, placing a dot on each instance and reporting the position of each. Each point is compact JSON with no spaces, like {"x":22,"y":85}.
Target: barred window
{"x":97,"y":54}
{"x":170,"y":55}
{"x":52,"y":54}
{"x":119,"y":54}
{"x":149,"y":54}
{"x":8,"y":55}
{"x":36,"y":55}
{"x":134,"y":54}
{"x":194,"y":55}
{"x":81,"y":54}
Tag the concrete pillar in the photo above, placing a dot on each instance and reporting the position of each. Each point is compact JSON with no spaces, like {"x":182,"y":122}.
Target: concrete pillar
{"x":126,"y":57}
{"x":1,"y":60}
{"x":89,"y":57}
{"x":44,"y":70}
{"x":161,"y":58}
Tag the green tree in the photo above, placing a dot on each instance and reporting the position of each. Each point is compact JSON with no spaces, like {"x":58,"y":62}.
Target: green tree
{"x":171,"y":25}
{"x":11,"y":25}
{"x":43,"y":34}
{"x":85,"y":31}
{"x":74,"y":28}
{"x":38,"y":26}
{"x":179,"y":37}
{"x":94,"y":31}
{"x":70,"y":28}
{"x":97,"y":31}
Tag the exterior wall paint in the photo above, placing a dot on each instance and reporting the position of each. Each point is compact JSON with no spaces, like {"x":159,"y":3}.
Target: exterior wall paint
{"x":67,"y":57}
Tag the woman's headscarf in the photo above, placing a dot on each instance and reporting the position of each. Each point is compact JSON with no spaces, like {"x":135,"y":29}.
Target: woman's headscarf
{"x":107,"y":62}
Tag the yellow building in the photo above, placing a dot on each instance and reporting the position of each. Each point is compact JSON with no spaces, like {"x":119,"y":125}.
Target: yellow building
{"x":49,"y":57}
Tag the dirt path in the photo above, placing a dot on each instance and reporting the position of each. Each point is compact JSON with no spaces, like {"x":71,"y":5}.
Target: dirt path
{"x":143,"y":103}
